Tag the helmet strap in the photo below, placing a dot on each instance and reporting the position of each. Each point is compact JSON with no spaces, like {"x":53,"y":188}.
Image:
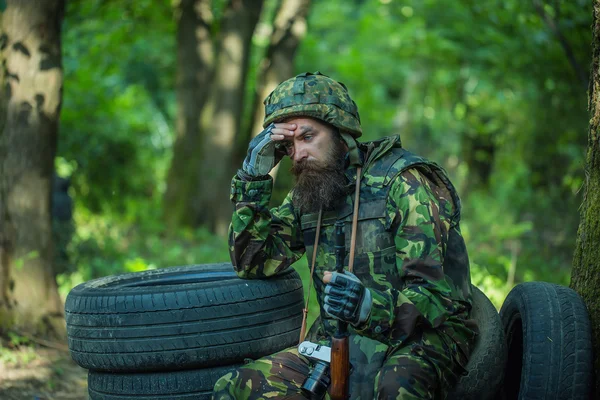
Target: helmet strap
{"x":353,"y":151}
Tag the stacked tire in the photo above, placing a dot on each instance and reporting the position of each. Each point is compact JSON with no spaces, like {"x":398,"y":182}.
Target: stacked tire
{"x":548,"y":333}
{"x":484,"y":375}
{"x":172,"y":333}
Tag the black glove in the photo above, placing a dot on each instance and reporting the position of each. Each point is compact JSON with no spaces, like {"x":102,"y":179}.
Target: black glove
{"x":347,"y":299}
{"x":263,"y":154}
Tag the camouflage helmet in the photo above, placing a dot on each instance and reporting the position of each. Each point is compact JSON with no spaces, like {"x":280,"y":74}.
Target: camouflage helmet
{"x":313,"y":95}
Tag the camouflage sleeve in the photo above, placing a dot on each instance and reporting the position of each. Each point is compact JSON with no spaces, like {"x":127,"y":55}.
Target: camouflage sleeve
{"x":420,"y":234}
{"x":262,"y":242}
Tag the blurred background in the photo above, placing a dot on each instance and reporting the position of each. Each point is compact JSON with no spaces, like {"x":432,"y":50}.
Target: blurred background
{"x":162,"y":97}
{"x":493,"y":91}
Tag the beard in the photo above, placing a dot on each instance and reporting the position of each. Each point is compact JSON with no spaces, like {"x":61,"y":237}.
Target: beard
{"x":321,"y":184}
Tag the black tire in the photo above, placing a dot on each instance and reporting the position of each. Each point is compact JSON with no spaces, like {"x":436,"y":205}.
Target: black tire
{"x":485,"y":370}
{"x":174,"y":385}
{"x":549,"y":343}
{"x":181,"y":318}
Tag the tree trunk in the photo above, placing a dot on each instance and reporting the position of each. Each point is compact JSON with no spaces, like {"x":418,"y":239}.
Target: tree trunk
{"x":31,"y":54}
{"x":224,"y":112}
{"x":195,"y":55}
{"x":278,"y":65}
{"x":4,"y":273}
{"x":585,"y":276}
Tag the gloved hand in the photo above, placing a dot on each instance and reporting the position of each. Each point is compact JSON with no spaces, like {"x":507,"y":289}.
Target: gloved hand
{"x":347,"y":299}
{"x":263,"y":154}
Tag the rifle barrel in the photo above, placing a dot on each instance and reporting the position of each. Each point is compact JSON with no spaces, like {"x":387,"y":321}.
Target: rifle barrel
{"x":340,"y":343}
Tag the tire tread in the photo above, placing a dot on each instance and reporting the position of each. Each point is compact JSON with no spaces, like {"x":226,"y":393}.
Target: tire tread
{"x":150,"y":328}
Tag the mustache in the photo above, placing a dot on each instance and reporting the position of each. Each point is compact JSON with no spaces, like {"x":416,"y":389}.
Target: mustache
{"x":316,"y":166}
{"x":307,"y":166}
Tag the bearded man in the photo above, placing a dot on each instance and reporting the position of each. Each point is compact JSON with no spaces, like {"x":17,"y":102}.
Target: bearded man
{"x":408,"y":299}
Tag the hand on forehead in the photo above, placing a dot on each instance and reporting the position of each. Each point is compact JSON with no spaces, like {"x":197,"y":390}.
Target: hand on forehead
{"x":294,"y":127}
{"x":283,"y":131}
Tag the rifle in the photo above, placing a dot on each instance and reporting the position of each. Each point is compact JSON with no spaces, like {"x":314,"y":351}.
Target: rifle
{"x":334,"y":359}
{"x":340,"y":342}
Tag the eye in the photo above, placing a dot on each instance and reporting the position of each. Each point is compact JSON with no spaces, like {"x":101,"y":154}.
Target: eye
{"x":289,"y":147}
{"x":308,"y":137}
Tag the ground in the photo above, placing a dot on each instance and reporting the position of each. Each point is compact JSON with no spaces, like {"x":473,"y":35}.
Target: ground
{"x":39,"y":373}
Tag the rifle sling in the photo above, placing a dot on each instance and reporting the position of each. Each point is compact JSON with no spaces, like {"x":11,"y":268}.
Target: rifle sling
{"x":354,"y":221}
{"x":314,"y":256}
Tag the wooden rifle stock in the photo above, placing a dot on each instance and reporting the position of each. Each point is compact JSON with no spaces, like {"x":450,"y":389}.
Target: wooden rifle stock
{"x":340,"y":343}
{"x":340,"y":368}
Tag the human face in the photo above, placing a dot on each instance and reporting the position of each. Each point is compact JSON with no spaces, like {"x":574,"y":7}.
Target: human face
{"x":318,"y":163}
{"x":306,"y":139}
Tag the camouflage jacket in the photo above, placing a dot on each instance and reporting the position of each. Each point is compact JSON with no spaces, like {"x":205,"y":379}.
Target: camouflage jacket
{"x":409,"y":250}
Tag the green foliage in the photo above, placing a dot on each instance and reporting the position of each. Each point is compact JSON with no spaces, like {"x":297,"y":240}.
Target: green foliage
{"x":16,"y":350}
{"x":20,"y":261}
{"x":484,"y":88}
{"x":303,"y":268}
{"x":105,"y":246}
{"x":16,"y":340}
{"x":118,"y":103}
{"x":12,"y":357}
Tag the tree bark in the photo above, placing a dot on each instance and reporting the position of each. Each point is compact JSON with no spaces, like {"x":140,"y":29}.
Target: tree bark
{"x":585,"y":276}
{"x":289,"y":29}
{"x":224,"y":112}
{"x":195,"y":56}
{"x":4,"y":272}
{"x":31,"y":56}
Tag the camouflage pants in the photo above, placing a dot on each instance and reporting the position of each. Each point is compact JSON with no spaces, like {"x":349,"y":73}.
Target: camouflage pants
{"x":424,"y":368}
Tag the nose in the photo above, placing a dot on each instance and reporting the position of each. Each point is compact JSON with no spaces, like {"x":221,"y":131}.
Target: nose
{"x":300,"y":153}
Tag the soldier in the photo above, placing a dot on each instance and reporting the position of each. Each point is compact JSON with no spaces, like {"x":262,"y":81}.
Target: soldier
{"x":408,"y":299}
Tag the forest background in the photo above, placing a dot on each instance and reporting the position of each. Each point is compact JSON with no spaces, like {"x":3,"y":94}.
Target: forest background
{"x":493,"y":91}
{"x":161,"y":98}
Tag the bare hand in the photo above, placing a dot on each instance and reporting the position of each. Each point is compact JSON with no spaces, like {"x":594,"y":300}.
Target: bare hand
{"x":283,"y":131}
